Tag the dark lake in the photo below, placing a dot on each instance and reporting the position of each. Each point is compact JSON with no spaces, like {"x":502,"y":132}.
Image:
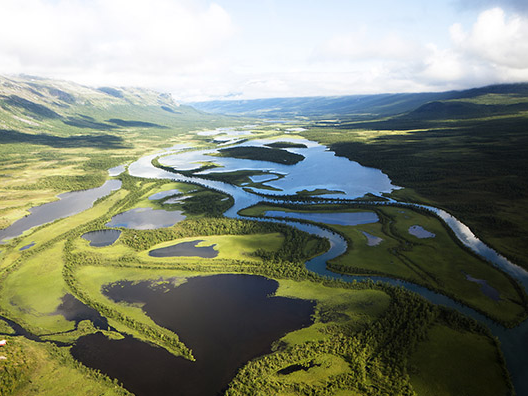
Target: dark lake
{"x":73,"y":309}
{"x":102,"y":238}
{"x":226,"y":320}
{"x":146,"y":219}
{"x":185,"y":249}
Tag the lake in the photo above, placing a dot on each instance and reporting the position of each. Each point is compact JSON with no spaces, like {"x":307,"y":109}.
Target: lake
{"x":68,"y":204}
{"x":226,"y":320}
{"x":146,"y":219}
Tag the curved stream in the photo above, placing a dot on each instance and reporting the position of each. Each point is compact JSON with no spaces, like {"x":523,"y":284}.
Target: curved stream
{"x":512,"y":340}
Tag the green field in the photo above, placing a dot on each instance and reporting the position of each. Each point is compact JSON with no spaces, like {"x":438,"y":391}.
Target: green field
{"x":365,"y":339}
{"x":437,"y":362}
{"x":439,"y":262}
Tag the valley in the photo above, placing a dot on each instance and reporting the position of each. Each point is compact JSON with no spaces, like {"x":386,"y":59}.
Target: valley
{"x":357,"y":281}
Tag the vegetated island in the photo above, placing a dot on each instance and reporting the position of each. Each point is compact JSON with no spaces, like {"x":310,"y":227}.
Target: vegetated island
{"x":262,"y":154}
{"x":286,"y":145}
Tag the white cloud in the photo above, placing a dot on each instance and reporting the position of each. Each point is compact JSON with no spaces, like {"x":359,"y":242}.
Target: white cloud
{"x":124,"y":39}
{"x":361,"y":45}
{"x":495,"y":38}
{"x":493,"y":50}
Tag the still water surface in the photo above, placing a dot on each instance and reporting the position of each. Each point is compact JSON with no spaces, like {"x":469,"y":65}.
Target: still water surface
{"x":102,"y":238}
{"x":185,"y":249}
{"x":68,"y":204}
{"x":512,"y":340}
{"x":226,"y":320}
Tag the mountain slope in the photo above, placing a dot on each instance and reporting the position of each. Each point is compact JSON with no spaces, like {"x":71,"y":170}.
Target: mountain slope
{"x":356,"y":106}
{"x":58,"y":136}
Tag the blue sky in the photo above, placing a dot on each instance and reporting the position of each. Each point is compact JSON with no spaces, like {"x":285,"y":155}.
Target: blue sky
{"x":199,"y":49}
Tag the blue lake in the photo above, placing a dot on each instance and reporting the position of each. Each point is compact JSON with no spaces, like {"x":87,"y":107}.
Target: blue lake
{"x":344,"y":218}
{"x":102,"y":238}
{"x":321,"y":169}
{"x":68,"y":204}
{"x":146,"y":219}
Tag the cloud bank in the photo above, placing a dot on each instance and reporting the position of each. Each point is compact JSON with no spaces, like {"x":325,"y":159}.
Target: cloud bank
{"x":194,"y":48}
{"x":111,"y":41}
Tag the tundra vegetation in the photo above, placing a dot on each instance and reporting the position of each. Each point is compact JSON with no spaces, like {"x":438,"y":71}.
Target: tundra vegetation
{"x":366,"y":338}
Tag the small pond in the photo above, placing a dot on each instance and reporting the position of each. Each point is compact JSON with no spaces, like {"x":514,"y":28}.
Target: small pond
{"x":102,"y":238}
{"x":164,"y":194}
{"x":226,"y":320}
{"x":343,"y":218}
{"x":372,"y":240}
{"x":146,"y":219}
{"x":176,"y":200}
{"x":420,"y":232}
{"x":263,"y":178}
{"x":27,"y":246}
{"x":185,"y":249}
{"x":485,"y":288}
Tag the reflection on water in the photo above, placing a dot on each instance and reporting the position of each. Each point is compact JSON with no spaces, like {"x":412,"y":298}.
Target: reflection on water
{"x":420,"y":232}
{"x":185,"y":249}
{"x":67,"y":205}
{"x":372,"y":240}
{"x":321,"y":169}
{"x":164,"y":194}
{"x":226,"y":320}
{"x":116,"y":171}
{"x":102,"y":238}
{"x":74,"y":310}
{"x":343,"y":218}
{"x":146,"y":219}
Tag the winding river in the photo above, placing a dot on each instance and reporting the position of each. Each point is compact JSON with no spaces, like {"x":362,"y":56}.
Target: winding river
{"x":345,"y":180}
{"x":512,"y":340}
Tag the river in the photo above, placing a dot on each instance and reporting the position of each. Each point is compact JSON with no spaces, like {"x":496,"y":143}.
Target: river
{"x":512,"y":340}
{"x":347,"y":181}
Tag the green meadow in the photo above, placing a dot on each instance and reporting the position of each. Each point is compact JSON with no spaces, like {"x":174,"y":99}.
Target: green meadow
{"x":438,"y":263}
{"x":365,"y":338}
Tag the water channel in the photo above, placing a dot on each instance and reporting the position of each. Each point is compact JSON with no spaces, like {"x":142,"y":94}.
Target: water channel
{"x":354,"y":183}
{"x":512,"y":340}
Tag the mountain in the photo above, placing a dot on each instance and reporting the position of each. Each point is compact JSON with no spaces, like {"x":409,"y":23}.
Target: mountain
{"x":35,"y":104}
{"x":362,"y":106}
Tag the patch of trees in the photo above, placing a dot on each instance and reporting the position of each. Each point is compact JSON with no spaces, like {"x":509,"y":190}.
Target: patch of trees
{"x":261,"y":154}
{"x":377,"y":356}
{"x":210,"y":203}
{"x":286,"y":145}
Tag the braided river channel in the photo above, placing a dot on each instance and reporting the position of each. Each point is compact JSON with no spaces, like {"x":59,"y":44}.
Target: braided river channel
{"x":343,"y":181}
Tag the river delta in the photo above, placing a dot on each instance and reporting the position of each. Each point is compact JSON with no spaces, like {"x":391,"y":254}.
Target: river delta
{"x":236,"y":318}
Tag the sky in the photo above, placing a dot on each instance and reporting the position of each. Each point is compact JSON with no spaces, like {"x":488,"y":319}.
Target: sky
{"x":245,"y":49}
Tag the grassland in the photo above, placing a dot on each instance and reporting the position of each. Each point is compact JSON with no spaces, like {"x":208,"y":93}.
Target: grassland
{"x":35,"y":368}
{"x":437,"y":361}
{"x":365,"y":339}
{"x":439,"y":263}
{"x":473,"y":166}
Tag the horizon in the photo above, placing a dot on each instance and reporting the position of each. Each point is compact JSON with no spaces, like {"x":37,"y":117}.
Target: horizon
{"x":200,"y":50}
